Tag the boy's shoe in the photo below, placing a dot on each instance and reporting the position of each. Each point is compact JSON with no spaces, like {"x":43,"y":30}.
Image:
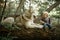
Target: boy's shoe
{"x":53,"y":29}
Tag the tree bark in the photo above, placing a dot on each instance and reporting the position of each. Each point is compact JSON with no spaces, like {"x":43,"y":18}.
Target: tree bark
{"x":53,"y":6}
{"x":20,"y":5}
{"x":3,"y":11}
{"x":32,"y":33}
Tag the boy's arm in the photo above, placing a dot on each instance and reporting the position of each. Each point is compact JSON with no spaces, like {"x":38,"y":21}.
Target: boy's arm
{"x":42,"y":22}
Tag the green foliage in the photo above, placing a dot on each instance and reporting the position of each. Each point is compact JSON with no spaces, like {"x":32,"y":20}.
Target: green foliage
{"x":10,"y":26}
{"x":56,"y":16}
{"x":57,"y":0}
{"x":58,"y":8}
{"x":6,"y":38}
{"x":2,"y":1}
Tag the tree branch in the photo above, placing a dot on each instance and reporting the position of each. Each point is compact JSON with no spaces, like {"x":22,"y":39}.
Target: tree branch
{"x":3,"y":11}
{"x":53,"y":6}
{"x":20,"y":5}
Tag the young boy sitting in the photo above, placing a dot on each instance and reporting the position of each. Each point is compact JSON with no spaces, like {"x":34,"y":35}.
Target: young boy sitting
{"x":45,"y":20}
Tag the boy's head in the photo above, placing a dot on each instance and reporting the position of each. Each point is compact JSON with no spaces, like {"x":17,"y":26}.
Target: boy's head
{"x":45,"y":14}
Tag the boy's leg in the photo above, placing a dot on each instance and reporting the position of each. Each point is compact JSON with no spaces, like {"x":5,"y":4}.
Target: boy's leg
{"x":50,"y":27}
{"x":44,"y":25}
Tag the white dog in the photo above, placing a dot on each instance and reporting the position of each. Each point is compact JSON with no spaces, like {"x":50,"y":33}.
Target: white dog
{"x":8,"y":20}
{"x":30,"y":22}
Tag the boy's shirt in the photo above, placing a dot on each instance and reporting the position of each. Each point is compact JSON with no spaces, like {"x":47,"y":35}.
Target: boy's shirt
{"x":47,"y":20}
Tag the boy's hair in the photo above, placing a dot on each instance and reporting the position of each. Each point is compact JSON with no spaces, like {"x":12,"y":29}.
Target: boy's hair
{"x":45,"y":12}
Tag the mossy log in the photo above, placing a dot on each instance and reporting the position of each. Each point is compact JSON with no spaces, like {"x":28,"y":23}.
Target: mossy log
{"x":30,"y":33}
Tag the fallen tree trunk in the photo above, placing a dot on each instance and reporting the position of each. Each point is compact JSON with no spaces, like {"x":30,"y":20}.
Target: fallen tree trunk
{"x":32,"y":33}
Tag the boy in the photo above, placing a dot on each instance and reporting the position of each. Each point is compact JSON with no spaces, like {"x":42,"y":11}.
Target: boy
{"x":45,"y":20}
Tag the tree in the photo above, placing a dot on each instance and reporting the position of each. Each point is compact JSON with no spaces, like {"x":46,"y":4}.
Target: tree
{"x":21,"y":4}
{"x":3,"y":10}
{"x":53,"y":6}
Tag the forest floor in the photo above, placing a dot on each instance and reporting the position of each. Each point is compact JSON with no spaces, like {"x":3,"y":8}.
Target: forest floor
{"x":31,"y":34}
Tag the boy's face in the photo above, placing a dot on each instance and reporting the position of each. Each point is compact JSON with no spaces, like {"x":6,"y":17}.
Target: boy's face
{"x":45,"y":15}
